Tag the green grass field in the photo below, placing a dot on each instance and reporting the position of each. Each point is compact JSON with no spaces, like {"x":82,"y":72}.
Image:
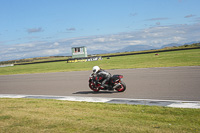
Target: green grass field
{"x":50,"y":116}
{"x":54,"y":116}
{"x":164,"y":59}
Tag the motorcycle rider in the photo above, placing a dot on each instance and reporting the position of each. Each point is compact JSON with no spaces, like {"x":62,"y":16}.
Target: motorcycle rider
{"x":100,"y":72}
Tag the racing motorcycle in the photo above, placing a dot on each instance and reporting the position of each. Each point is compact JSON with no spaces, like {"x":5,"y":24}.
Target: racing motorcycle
{"x":115,"y":83}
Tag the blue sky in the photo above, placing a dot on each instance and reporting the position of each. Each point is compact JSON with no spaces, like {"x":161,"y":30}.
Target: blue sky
{"x":30,"y":28}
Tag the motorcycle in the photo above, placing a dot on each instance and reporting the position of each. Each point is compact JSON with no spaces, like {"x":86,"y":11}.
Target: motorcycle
{"x":115,"y":83}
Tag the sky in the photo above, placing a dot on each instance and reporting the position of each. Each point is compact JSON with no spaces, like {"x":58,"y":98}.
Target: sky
{"x":38,"y":28}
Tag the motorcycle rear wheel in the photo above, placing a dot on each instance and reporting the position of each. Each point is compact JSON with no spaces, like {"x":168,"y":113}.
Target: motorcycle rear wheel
{"x":121,"y":88}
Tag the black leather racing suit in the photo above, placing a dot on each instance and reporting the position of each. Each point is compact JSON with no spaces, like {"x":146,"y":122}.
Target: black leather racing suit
{"x":106,"y":77}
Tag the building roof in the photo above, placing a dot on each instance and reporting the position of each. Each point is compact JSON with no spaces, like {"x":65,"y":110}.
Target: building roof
{"x":79,"y":47}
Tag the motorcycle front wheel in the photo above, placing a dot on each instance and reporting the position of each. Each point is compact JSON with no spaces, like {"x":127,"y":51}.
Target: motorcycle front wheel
{"x":121,"y":88}
{"x":93,"y":88}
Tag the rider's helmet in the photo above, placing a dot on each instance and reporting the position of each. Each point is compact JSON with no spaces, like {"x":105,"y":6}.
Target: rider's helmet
{"x":95,"y":69}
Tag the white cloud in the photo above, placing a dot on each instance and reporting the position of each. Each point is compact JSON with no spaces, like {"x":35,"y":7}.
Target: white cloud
{"x":71,"y":29}
{"x":177,"y":39}
{"x":99,"y":40}
{"x":156,"y":19}
{"x":34,"y":30}
{"x":136,"y":42}
{"x":154,"y":36}
{"x":56,"y":44}
{"x":51,"y":52}
{"x":157,"y":23}
{"x":189,"y":16}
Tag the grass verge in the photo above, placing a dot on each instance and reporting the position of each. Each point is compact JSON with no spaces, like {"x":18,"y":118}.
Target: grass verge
{"x":163,"y":59}
{"x":37,"y":115}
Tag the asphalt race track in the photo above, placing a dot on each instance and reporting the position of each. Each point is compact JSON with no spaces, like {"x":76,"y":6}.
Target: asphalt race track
{"x":171,"y":83}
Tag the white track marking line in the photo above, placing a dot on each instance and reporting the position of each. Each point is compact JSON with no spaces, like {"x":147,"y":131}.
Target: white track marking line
{"x":150,"y":102}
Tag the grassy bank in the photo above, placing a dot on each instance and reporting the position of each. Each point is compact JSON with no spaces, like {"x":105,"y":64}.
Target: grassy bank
{"x":50,"y":116}
{"x":163,"y":59}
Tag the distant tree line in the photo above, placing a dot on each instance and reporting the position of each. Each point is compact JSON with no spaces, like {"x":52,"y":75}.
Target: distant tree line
{"x":192,"y":45}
